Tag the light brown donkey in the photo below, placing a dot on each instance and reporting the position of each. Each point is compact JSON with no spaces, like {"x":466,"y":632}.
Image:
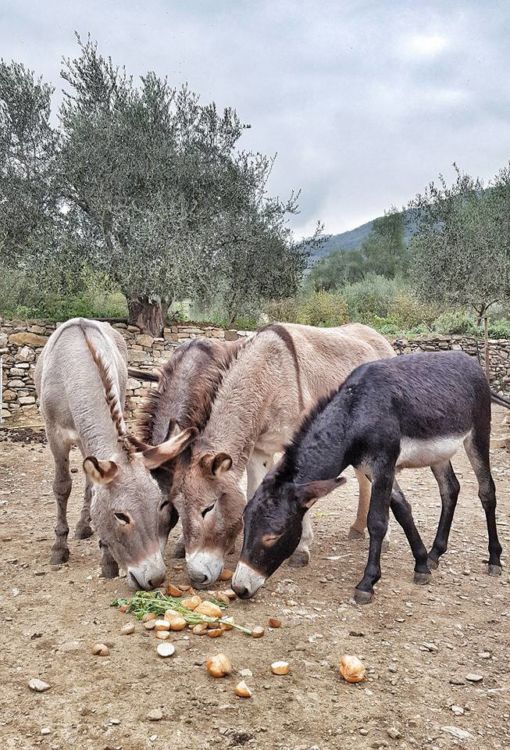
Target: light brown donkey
{"x":274,"y":380}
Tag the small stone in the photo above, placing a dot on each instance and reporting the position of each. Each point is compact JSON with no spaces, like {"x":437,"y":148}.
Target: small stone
{"x":38,"y":686}
{"x":459,"y":734}
{"x":45,"y":730}
{"x":394,"y":733}
{"x":246,"y":673}
{"x":100,"y":649}
{"x":363,"y":731}
{"x":456,"y":680}
{"x":155,"y":715}
{"x":128,"y":628}
{"x":485,"y":655}
{"x":457,"y":710}
{"x":473,"y":677}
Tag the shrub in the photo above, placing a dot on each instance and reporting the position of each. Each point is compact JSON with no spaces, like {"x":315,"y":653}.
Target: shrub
{"x":323,"y":309}
{"x":408,"y":312}
{"x":284,"y":310}
{"x":499,"y":329}
{"x":370,"y":298}
{"x":456,"y":322}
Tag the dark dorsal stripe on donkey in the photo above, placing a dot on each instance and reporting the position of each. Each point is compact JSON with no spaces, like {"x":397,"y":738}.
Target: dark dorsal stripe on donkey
{"x":408,"y":412}
{"x":187,"y":386}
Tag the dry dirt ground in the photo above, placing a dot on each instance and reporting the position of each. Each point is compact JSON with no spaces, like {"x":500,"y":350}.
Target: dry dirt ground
{"x":418,"y":643}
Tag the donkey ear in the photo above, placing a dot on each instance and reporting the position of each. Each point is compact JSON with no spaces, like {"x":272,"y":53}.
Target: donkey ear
{"x":100,"y":472}
{"x":154,"y":457}
{"x":308,"y":494}
{"x":215,"y":464}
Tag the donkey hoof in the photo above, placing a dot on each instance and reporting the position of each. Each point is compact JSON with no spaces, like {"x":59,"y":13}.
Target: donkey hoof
{"x":59,"y":556}
{"x":363,"y":597}
{"x":422,"y":578}
{"x":83,"y":531}
{"x":432,"y":563}
{"x":299,"y":559}
{"x":494,"y":570}
{"x":355,"y":534}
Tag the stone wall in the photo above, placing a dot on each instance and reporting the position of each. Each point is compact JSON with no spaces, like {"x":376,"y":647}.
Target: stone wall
{"x":22,"y":341}
{"x":499,"y":353}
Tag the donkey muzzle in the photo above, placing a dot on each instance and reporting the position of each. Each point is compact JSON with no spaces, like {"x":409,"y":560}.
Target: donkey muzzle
{"x":149,"y":574}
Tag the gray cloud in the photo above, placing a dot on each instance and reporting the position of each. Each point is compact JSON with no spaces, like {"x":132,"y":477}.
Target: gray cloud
{"x":364,"y":102}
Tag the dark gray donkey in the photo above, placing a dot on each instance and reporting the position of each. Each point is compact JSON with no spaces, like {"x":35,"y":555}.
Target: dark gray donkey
{"x":81,"y":381}
{"x":408,"y":412}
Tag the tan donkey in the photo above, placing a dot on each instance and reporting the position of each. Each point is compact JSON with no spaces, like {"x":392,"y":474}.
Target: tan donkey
{"x":277,"y":376}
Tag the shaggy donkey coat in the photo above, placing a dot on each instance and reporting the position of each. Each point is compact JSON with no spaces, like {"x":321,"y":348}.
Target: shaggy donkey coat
{"x":408,"y":412}
{"x":81,"y":381}
{"x":277,"y":376}
{"x":182,"y":400}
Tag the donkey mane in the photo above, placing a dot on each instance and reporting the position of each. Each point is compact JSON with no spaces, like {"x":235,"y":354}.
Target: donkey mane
{"x":160,"y":410}
{"x":286,"y":468}
{"x":111,"y":393}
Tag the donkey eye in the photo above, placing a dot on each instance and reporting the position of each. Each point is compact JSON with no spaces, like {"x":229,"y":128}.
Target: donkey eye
{"x":164,"y":504}
{"x":269,"y":539}
{"x":206,"y":510}
{"x":123,"y":518}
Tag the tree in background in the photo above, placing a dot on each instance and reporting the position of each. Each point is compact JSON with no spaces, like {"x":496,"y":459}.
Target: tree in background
{"x":167,"y":203}
{"x":28,"y":147}
{"x":384,"y":252}
{"x":337,"y":269}
{"x":460,"y":249}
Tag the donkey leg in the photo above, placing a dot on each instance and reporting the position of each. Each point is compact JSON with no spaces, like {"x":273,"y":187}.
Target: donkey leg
{"x":377,"y":523}
{"x":477,"y":449}
{"x":449,"y":488}
{"x":357,"y":530}
{"x":257,"y":468}
{"x":109,"y":566}
{"x":83,"y":529}
{"x":403,"y":513}
{"x":62,"y":485}
{"x":301,"y":556}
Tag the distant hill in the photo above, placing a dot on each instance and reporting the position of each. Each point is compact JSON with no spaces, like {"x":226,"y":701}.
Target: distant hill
{"x":354,"y":238}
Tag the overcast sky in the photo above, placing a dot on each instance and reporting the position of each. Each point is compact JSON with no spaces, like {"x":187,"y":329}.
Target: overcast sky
{"x":364,"y":102}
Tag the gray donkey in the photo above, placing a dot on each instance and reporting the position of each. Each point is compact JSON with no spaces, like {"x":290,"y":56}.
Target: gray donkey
{"x":81,"y":379}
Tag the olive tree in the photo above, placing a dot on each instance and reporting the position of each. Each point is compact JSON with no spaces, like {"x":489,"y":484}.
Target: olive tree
{"x":460,"y":248}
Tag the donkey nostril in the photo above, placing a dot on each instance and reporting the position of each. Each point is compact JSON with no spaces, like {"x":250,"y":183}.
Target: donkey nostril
{"x":156,"y":581}
{"x":242,"y":592}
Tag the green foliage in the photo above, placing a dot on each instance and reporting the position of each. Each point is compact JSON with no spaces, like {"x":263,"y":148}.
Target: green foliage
{"x":336,"y":270}
{"x":323,"y":309}
{"x":371,"y":298}
{"x":28,"y":193}
{"x":499,"y":329}
{"x":284,"y":310}
{"x":91,"y":296}
{"x":384,"y":251}
{"x":456,"y":322}
{"x":462,"y":242}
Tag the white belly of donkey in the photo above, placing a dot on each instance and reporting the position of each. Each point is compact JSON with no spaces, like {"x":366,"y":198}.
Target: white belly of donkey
{"x":416,"y":453}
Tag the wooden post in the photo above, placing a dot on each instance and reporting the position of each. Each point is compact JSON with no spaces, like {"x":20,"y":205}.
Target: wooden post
{"x":486,"y":349}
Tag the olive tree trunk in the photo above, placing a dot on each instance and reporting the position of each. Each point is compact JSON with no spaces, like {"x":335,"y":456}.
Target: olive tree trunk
{"x":148,"y":314}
